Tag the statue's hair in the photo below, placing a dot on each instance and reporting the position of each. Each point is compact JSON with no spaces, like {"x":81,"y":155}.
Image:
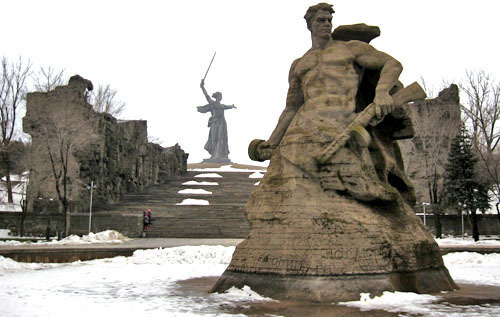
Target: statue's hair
{"x":315,"y":8}
{"x":217,"y":94}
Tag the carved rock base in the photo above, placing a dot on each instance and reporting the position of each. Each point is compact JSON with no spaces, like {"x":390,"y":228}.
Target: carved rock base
{"x":308,"y":243}
{"x":336,"y":288}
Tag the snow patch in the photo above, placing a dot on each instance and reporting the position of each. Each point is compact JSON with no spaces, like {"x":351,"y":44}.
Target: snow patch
{"x":203,"y":254}
{"x":209,"y":175}
{"x":10,"y":207}
{"x":191,"y":201}
{"x":394,"y":302}
{"x":108,"y":236}
{"x":463,"y":267}
{"x":9,"y":266}
{"x":204,"y":183}
{"x":492,"y":240}
{"x":244,"y":294}
{"x":197,"y":191}
{"x":420,"y":305}
{"x":4,"y":233}
{"x":224,"y":168}
{"x":256,"y":175}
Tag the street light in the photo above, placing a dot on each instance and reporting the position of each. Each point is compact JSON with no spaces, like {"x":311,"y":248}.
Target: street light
{"x":460,"y":205}
{"x":424,"y":204}
{"x":91,"y":187}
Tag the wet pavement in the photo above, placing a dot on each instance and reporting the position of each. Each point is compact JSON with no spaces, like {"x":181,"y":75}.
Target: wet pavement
{"x":468,"y":299}
{"x":465,"y":301}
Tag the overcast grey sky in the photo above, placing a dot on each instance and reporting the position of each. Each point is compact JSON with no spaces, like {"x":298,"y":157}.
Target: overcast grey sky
{"x":155,"y":52}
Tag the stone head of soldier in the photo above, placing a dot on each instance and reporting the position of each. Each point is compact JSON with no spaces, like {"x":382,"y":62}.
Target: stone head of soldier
{"x":319,"y":20}
{"x":217,"y":95}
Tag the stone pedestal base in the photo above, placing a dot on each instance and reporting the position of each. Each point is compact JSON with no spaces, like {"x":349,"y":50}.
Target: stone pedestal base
{"x":337,"y":288}
{"x":217,"y":160}
{"x":309,"y":242}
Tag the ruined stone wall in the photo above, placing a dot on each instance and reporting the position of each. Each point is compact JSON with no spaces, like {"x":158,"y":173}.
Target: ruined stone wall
{"x":436,"y":122}
{"x":124,"y":161}
{"x":118,"y":157}
{"x":36,"y":224}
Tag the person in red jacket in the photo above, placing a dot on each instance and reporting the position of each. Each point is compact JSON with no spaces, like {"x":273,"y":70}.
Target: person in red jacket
{"x":147,"y":219}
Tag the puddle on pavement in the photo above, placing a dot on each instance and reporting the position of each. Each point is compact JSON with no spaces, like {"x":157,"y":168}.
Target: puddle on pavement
{"x":473,"y":294}
{"x":466,"y":297}
{"x":199,"y":287}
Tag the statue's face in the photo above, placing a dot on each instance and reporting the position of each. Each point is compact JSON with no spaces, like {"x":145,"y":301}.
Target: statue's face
{"x":217,"y":96}
{"x":321,"y":25}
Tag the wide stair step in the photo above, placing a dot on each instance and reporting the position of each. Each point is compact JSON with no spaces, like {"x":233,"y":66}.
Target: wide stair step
{"x":222,"y":218}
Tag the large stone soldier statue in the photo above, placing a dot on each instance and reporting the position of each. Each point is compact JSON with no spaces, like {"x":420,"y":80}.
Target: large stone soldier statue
{"x":217,"y":144}
{"x":333,"y":216}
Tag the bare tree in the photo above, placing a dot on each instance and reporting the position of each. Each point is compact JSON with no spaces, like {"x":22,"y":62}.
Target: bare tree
{"x":433,"y":91}
{"x":25,"y":201}
{"x":62,"y":134}
{"x":482,"y":114}
{"x":13,"y":81}
{"x":47,"y":78}
{"x":104,"y":100}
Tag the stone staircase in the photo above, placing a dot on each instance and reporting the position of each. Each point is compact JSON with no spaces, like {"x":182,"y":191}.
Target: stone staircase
{"x":223,"y":217}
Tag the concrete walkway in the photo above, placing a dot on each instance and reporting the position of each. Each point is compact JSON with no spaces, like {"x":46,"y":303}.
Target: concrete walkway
{"x":61,"y":253}
{"x":72,"y":252}
{"x":135,"y":244}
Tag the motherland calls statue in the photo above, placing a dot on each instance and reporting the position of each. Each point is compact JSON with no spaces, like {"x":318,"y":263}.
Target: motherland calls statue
{"x":333,"y":216}
{"x":216,"y":144}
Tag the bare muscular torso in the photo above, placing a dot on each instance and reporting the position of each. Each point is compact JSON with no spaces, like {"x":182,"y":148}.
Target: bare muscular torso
{"x":328,"y":78}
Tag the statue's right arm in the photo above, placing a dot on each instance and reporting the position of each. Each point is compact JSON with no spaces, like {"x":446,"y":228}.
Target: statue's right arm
{"x":202,"y":86}
{"x":294,"y":100}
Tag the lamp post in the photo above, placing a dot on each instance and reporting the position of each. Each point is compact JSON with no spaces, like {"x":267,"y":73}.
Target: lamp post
{"x":463,"y":228}
{"x":90,"y":210}
{"x":424,"y":204}
{"x":461,"y":206}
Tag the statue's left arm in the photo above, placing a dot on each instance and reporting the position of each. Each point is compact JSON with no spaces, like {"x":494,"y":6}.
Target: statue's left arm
{"x":229,"y":107}
{"x":390,"y":69}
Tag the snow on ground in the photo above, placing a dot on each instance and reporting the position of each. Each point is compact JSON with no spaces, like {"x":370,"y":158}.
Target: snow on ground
{"x":463,"y":267}
{"x":394,"y":302}
{"x":6,"y":207}
{"x":146,"y":284}
{"x":18,"y":190}
{"x":483,"y":240}
{"x":196,"y":191}
{"x":256,"y":175}
{"x":141,"y":285}
{"x":225,"y":168}
{"x":421,"y":305}
{"x":190,"y":183}
{"x":191,"y":201}
{"x":4,"y":233}
{"x":209,"y":175}
{"x":108,"y":236}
